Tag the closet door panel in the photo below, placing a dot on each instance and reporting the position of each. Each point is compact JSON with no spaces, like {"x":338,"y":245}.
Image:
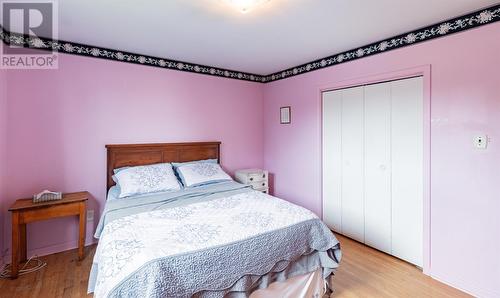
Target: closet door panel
{"x":407,"y":169}
{"x":378,"y":166}
{"x":332,"y":159}
{"x":352,"y":163}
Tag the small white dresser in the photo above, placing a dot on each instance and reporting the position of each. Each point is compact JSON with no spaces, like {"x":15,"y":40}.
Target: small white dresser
{"x":257,"y":178}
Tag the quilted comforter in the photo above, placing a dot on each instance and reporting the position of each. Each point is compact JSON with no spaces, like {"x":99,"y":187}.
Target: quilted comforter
{"x":217,"y":241}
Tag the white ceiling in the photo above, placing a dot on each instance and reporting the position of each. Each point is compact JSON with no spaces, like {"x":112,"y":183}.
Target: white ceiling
{"x":274,"y":36}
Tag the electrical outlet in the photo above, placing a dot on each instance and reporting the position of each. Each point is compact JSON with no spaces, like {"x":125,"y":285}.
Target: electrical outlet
{"x":90,"y":215}
{"x":481,"y":142}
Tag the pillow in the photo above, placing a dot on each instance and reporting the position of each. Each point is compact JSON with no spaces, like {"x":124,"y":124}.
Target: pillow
{"x":146,"y":179}
{"x":117,"y":170}
{"x":201,"y":173}
{"x":178,"y":164}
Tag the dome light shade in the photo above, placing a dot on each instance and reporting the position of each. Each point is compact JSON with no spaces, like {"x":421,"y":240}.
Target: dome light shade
{"x":245,"y":6}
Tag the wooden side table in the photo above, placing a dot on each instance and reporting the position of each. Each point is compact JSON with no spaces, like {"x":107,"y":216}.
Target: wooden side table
{"x":25,"y":211}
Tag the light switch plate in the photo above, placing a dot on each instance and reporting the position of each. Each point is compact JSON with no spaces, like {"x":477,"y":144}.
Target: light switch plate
{"x":481,"y":142}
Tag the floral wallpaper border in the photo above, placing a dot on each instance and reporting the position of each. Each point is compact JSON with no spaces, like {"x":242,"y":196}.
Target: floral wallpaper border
{"x":120,"y":56}
{"x":472,"y":20}
{"x":469,"y":21}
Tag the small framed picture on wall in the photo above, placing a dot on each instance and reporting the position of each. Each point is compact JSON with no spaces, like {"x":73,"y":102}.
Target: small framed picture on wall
{"x":285,"y":115}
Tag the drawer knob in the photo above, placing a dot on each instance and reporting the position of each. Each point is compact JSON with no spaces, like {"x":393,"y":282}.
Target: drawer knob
{"x":251,"y":179}
{"x":263,"y":184}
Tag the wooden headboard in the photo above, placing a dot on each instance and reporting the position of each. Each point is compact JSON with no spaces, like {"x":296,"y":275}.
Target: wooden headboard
{"x":144,"y":154}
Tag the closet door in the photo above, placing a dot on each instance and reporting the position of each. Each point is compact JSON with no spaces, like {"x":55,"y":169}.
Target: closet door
{"x":378,"y":166}
{"x":407,"y":169}
{"x":353,"y":224}
{"x":332,"y":159}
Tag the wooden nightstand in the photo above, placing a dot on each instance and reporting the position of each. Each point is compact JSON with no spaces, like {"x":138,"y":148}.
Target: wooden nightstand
{"x":257,"y":178}
{"x":25,"y":211}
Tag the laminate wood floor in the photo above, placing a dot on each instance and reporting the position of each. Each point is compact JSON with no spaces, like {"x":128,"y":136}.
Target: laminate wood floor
{"x":364,"y":272}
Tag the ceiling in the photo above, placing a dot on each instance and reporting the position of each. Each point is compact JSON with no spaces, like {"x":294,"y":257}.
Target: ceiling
{"x":276,"y":35}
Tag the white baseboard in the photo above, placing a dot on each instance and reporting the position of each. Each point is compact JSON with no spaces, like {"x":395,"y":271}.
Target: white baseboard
{"x":473,"y":289}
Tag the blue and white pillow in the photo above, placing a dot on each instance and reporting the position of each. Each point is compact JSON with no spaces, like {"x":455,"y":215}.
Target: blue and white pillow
{"x":146,"y":179}
{"x":201,"y":173}
{"x":116,"y":171}
{"x":178,"y":164}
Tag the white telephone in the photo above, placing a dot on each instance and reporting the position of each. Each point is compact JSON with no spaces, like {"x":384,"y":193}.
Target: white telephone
{"x":47,"y":195}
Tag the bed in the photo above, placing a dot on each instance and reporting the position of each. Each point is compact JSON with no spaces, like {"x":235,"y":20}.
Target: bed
{"x":216,"y":240}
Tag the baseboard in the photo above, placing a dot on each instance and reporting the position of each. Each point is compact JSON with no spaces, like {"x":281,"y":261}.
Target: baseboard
{"x":52,"y":249}
{"x":473,"y":290}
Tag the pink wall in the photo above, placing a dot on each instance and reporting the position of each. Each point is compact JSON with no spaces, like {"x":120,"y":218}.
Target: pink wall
{"x":3,"y":153}
{"x":464,"y":184}
{"x":60,"y":121}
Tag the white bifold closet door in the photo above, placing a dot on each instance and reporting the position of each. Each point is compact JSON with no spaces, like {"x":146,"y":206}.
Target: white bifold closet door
{"x":407,"y":169}
{"x":352,"y":166}
{"x":377,"y":169}
{"x":373,"y":165}
{"x":332,"y":160}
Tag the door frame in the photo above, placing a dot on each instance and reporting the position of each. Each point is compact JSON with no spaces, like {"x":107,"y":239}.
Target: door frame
{"x":425,"y":72}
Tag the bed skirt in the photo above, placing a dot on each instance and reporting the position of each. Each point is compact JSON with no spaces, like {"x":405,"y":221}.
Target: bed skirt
{"x":309,"y":276}
{"x":301,"y":286}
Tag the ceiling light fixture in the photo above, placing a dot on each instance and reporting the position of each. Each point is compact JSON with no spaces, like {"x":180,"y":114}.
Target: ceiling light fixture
{"x":245,"y":6}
